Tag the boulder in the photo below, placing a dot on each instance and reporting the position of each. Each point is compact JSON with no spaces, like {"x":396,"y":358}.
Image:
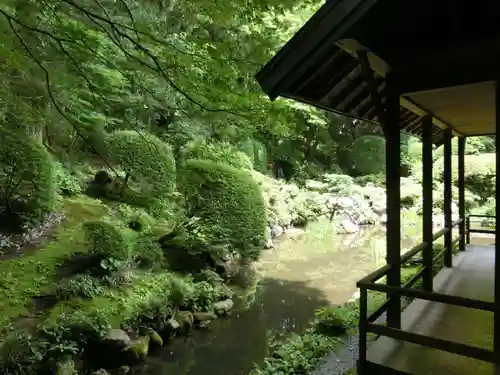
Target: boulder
{"x":173,"y":325}
{"x":202,"y":319}
{"x":123,"y":370}
{"x":383,"y":219}
{"x":117,"y":339}
{"x":100,"y":372}
{"x":223,"y":307}
{"x":347,"y":227}
{"x":269,"y":244}
{"x":276,"y":231}
{"x":155,"y":339}
{"x":379,"y":207}
{"x":66,"y":367}
{"x":185,"y":319}
{"x":137,"y":351}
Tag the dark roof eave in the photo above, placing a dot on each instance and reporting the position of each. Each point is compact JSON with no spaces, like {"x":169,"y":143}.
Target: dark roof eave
{"x":310,"y":44}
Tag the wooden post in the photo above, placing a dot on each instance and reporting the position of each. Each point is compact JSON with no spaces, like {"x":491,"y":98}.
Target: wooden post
{"x":427,"y":253}
{"x":447,"y":198}
{"x":496,"y":319}
{"x":461,"y":192}
{"x":393,"y":186}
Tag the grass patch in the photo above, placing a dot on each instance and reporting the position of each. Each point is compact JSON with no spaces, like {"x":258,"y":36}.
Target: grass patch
{"x":22,"y":279}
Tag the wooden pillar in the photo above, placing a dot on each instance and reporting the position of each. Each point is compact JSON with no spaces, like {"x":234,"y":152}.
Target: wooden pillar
{"x":427,"y":253}
{"x":461,"y":192}
{"x":393,"y":186}
{"x":496,"y":332}
{"x":447,"y":198}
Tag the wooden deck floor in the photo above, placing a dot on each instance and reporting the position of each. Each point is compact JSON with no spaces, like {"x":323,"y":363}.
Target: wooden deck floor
{"x":471,"y":276}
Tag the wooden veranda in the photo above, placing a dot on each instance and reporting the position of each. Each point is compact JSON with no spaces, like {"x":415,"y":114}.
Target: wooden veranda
{"x":428,"y":68}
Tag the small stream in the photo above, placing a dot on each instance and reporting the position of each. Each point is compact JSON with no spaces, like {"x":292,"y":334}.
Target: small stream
{"x":311,"y":270}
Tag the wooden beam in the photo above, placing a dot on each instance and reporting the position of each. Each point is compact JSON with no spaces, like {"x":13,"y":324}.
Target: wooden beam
{"x":335,"y":100}
{"x":427,"y":253}
{"x":372,"y":86}
{"x":393,"y":186}
{"x":456,"y":65}
{"x":447,"y":198}
{"x":461,"y":191}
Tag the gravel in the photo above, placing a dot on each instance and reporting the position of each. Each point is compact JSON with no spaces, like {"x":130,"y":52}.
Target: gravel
{"x":338,"y":363}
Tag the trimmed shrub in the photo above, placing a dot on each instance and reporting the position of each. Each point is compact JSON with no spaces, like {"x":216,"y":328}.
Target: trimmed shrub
{"x":148,"y":161}
{"x":229,"y":203}
{"x":368,"y":155}
{"x":106,"y":240}
{"x":147,"y":252}
{"x":219,"y":153}
{"x":27,"y":181}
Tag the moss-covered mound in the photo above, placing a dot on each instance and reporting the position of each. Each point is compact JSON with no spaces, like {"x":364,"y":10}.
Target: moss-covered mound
{"x":106,"y":240}
{"x":27,"y":180}
{"x":219,"y":153}
{"x":228,"y":203}
{"x":148,"y":161}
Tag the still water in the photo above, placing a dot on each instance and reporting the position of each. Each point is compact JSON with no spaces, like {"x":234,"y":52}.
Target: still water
{"x":304,"y":272}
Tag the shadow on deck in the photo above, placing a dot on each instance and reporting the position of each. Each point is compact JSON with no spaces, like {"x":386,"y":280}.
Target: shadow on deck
{"x":472,"y":276}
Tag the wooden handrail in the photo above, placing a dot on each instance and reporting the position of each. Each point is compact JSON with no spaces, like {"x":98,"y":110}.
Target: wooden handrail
{"x":382,"y":271}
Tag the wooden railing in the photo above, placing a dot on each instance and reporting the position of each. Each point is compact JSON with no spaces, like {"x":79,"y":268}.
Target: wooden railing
{"x":367,"y":323}
{"x":469,"y":229}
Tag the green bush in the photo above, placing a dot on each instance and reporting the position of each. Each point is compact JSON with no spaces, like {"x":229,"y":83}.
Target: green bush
{"x":229,"y":204}
{"x":84,"y":286}
{"x":68,"y":184}
{"x":106,"y":240}
{"x":368,"y":155}
{"x":27,"y":180}
{"x":147,"y":252}
{"x":20,"y":353}
{"x":219,"y":153}
{"x":148,"y":162}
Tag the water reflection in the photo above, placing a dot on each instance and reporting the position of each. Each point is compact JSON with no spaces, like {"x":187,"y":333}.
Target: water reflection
{"x":299,"y":276}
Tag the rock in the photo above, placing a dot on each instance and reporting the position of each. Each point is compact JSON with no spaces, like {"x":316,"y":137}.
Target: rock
{"x":123,"y":370}
{"x":100,"y":372}
{"x":137,"y":351}
{"x":223,"y":307}
{"x":117,"y":338}
{"x":67,"y":367}
{"x":155,"y":339}
{"x":185,"y":319}
{"x":348,"y":227}
{"x":269,"y":244}
{"x":383,"y":219}
{"x":202,"y":319}
{"x":379,"y":208}
{"x":276,"y":231}
{"x":173,"y":325}
{"x":365,"y":220}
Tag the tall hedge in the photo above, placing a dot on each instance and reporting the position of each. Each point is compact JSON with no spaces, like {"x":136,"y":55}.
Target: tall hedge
{"x":229,"y":203}
{"x":27,"y":179}
{"x":219,"y":153}
{"x":148,"y":160}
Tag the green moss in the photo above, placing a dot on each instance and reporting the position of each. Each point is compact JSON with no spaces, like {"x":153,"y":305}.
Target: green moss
{"x":229,"y":204}
{"x":22,"y":279}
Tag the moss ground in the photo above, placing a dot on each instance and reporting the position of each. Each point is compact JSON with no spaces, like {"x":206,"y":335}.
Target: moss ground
{"x":23,"y":279}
